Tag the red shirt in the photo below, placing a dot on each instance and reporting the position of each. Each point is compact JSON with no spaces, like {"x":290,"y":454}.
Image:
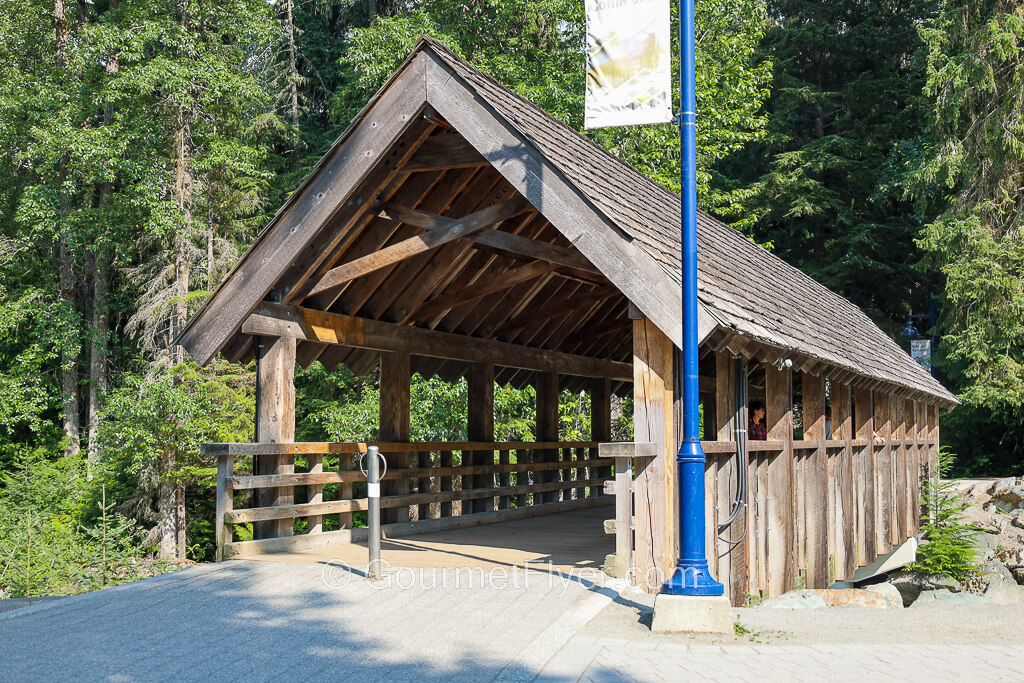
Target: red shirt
{"x":756,"y":432}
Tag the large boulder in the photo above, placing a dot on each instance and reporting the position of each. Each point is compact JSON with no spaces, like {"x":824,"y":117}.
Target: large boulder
{"x":798,"y":599}
{"x":889,"y":593}
{"x":945,"y":597}
{"x":1004,"y":592}
{"x":911,"y":584}
{"x":1002,"y":485}
{"x":994,"y":524}
{"x":995,"y":571}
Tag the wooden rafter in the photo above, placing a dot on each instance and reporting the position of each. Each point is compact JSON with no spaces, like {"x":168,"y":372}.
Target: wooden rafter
{"x":279,"y":320}
{"x":446,"y":230}
{"x":478,"y":290}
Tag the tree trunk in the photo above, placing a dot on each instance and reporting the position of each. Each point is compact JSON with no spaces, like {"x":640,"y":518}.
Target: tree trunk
{"x":293,"y":84}
{"x":98,"y":352}
{"x":179,"y":521}
{"x":182,"y":193}
{"x":65,"y":266}
{"x":168,"y":515}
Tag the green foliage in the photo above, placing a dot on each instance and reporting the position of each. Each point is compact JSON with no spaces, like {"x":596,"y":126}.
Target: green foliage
{"x":949,"y":544}
{"x":968,"y":180}
{"x":534,"y":48}
{"x":45,"y":549}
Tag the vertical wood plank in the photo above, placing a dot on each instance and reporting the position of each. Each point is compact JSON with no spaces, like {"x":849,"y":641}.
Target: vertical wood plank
{"x":731,"y":558}
{"x":394,"y":426}
{"x":275,"y":424}
{"x":601,"y":421}
{"x":547,"y":429}
{"x":315,"y":493}
{"x":847,"y":482}
{"x":225,"y":503}
{"x":623,"y":516}
{"x":883,"y":469}
{"x":901,"y":459}
{"x":779,"y":420}
{"x":815,"y":482}
{"x":654,"y":550}
{"x":480,"y":427}
{"x":865,"y":502}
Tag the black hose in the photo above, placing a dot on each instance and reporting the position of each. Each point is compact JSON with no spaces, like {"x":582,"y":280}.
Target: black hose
{"x":739,"y":503}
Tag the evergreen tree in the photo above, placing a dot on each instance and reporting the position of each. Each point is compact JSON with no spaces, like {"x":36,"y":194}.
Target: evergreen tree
{"x":847,"y":91}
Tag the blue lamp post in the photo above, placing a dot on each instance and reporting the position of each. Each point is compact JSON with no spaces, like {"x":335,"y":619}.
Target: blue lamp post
{"x":691,"y":576}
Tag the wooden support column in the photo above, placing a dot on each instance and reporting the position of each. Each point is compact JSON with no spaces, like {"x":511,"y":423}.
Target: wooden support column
{"x":275,"y":423}
{"x":779,"y":421}
{"x":654,"y":487}
{"x":902,"y":474}
{"x":864,"y":468}
{"x":547,"y":429}
{"x":481,"y":428}
{"x":601,"y":421}
{"x":915,"y":413}
{"x":815,"y":483}
{"x":732,"y":558}
{"x":883,"y":474}
{"x":394,"y":426}
{"x":844,"y":484}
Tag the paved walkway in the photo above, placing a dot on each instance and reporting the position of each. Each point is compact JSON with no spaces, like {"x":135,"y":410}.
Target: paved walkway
{"x":274,"y":621}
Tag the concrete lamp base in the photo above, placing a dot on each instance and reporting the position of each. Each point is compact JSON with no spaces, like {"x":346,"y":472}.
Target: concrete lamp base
{"x":691,"y":614}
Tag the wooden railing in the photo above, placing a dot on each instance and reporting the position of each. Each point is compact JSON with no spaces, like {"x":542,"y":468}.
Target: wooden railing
{"x":431,"y":490}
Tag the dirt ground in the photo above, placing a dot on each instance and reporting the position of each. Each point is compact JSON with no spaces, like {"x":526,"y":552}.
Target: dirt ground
{"x":630,"y":617}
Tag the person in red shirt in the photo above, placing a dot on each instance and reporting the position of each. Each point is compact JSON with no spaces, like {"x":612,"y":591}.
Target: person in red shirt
{"x":757,"y":430}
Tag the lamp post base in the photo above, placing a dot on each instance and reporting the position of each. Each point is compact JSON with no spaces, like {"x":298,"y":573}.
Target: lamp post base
{"x":691,"y":614}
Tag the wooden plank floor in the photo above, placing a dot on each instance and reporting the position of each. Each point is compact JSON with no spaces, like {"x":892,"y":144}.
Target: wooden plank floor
{"x":568,"y":541}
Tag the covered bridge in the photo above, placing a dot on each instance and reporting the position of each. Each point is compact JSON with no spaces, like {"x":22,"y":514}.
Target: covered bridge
{"x":457,"y":230}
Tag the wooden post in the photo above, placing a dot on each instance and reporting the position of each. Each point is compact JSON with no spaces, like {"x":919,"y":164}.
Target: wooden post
{"x":601,"y":421}
{"x":654,"y":487}
{"x":846,"y":482}
{"x":779,"y":421}
{"x":815,"y":482}
{"x":225,"y":503}
{"x":883,"y":474}
{"x":481,"y":428}
{"x":275,"y":423}
{"x":902,"y":459}
{"x":732,"y":558}
{"x":315,"y":493}
{"x":547,"y":429}
{"x":865,"y":473}
{"x":394,"y":426}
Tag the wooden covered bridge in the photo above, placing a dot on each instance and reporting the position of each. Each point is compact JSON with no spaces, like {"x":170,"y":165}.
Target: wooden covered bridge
{"x":457,"y":230}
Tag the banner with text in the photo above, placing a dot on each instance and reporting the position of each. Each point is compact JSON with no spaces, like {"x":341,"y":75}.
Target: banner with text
{"x":629,"y":71}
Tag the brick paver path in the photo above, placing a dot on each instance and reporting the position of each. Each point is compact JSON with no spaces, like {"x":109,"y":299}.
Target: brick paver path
{"x":257,"y":621}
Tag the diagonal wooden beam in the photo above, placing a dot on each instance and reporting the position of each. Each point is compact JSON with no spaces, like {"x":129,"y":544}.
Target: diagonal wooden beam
{"x":304,"y":324}
{"x":495,"y":239}
{"x":477,"y":290}
{"x":447,"y":229}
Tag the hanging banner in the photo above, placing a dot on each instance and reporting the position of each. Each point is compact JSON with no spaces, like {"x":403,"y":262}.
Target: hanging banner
{"x":921,"y":351}
{"x":629,"y":71}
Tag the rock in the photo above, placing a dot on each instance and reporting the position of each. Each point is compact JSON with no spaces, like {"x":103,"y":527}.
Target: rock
{"x":995,"y":571}
{"x":1005,"y":593}
{"x":993,"y":525}
{"x":798,"y":599}
{"x":985,"y":547}
{"x":1000,"y":505}
{"x":1018,"y":576}
{"x":1002,"y":485}
{"x":855,"y":597}
{"x":1013,"y":558}
{"x":1013,"y":495}
{"x":911,"y":584}
{"x":940,"y":597}
{"x":1018,"y":520}
{"x":892,"y":596}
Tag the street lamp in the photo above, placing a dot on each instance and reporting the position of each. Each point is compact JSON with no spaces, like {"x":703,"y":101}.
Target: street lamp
{"x":911,"y":331}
